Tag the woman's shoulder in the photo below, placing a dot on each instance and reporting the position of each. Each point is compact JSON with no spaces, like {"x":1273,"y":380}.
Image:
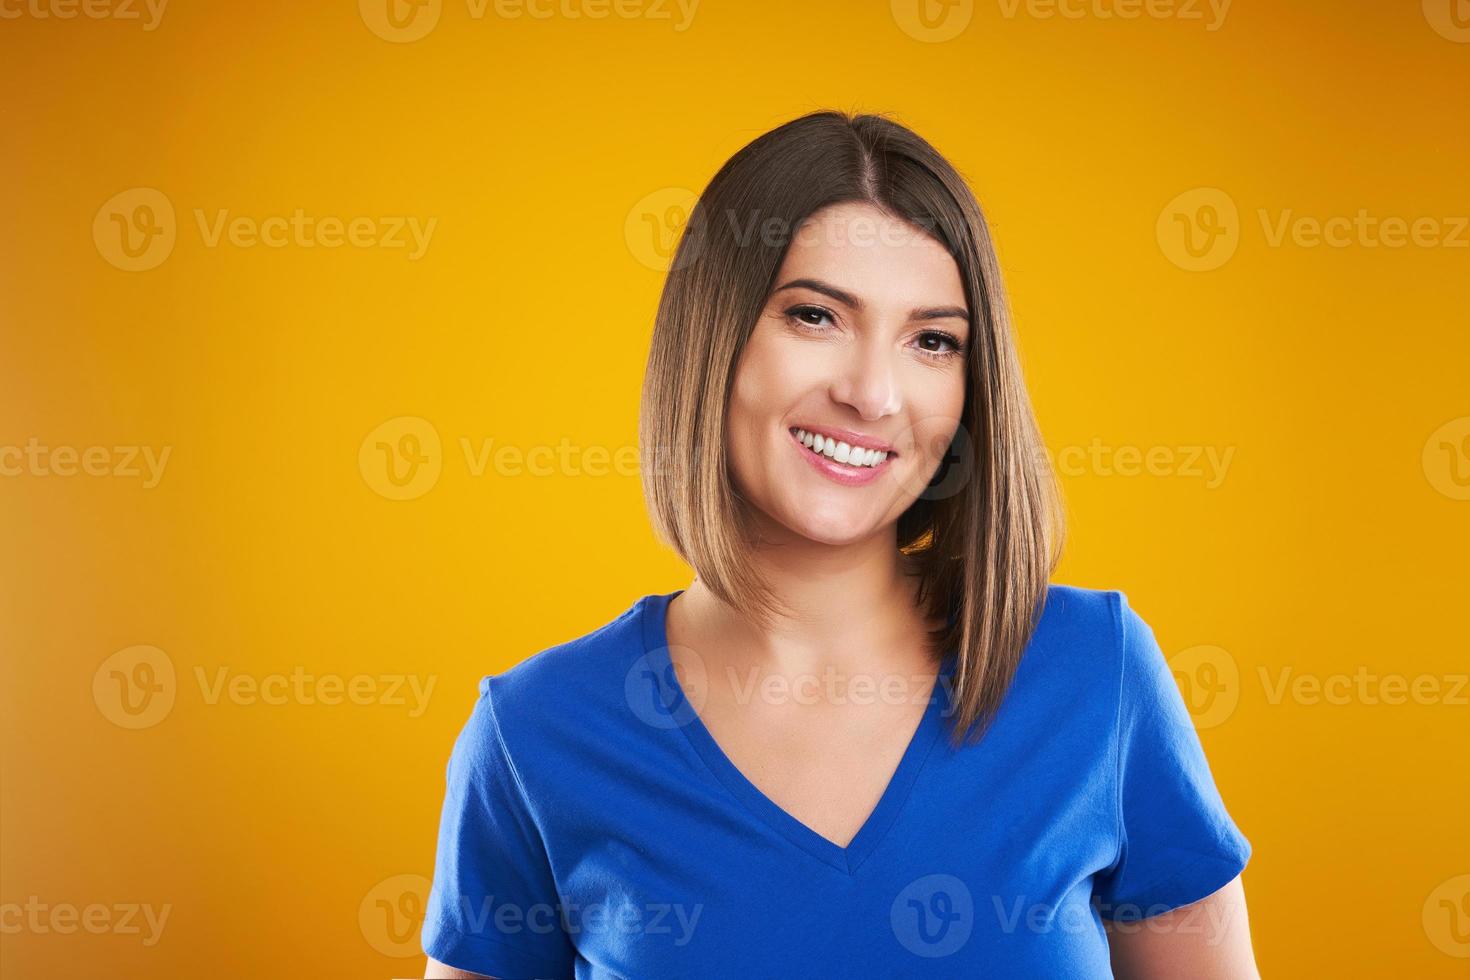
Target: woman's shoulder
{"x":571,"y":680}
{"x":1084,"y":653}
{"x":1082,"y":613}
{"x":1082,"y":627}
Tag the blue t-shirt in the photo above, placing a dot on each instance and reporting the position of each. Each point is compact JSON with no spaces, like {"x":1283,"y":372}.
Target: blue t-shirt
{"x":593,"y":828}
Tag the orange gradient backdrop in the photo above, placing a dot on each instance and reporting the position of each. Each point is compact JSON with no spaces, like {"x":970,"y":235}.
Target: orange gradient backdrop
{"x":1236,"y":245}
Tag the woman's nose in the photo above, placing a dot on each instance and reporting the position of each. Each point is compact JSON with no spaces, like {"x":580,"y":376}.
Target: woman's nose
{"x":868,"y":379}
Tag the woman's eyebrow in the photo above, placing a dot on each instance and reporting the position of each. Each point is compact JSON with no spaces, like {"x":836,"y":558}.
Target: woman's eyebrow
{"x":848,"y":299}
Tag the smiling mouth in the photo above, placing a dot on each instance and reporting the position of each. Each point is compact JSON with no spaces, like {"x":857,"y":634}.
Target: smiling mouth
{"x":835,"y":451}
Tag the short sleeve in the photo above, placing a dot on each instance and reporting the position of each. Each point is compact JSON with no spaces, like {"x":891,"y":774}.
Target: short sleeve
{"x":1178,"y":843}
{"x":493,"y":908}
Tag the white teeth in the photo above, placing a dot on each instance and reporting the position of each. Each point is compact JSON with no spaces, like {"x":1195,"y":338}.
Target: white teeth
{"x":840,"y":451}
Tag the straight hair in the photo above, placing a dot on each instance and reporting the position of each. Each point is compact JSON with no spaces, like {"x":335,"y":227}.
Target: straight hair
{"x":986,"y":533}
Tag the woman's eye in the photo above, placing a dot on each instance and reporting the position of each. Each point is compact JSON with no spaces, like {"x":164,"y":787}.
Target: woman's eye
{"x":942,"y":339}
{"x":812,"y":316}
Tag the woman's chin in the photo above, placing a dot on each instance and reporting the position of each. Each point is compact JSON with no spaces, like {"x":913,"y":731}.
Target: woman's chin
{"x":834,"y":527}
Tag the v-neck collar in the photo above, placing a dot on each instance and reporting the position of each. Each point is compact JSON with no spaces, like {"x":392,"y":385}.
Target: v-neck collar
{"x":846,"y":859}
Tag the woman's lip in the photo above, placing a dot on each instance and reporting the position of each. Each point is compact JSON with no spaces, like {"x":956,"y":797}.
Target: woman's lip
{"x":848,"y":436}
{"x":848,"y":476}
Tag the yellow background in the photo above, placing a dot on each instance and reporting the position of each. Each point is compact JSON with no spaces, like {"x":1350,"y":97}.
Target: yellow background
{"x":545,"y":149}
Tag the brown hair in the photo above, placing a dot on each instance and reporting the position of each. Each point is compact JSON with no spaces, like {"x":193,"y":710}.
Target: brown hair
{"x":984,"y":549}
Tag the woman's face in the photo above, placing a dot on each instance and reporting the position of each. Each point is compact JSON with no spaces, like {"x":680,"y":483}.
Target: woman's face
{"x":863,"y":339}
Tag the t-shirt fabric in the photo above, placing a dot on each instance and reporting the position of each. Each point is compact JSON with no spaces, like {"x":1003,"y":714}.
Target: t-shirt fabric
{"x":593,"y":828}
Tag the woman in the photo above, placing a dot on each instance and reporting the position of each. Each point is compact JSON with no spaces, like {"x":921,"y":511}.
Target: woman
{"x":746,"y":777}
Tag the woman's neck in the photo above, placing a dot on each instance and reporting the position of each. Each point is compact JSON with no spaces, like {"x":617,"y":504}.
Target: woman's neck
{"x":852,"y":608}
